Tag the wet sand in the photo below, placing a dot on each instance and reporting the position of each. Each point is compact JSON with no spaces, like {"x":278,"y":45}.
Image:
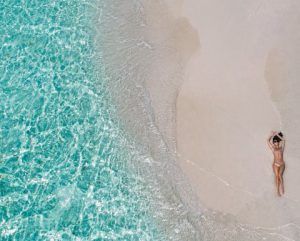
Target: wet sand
{"x":241,"y":83}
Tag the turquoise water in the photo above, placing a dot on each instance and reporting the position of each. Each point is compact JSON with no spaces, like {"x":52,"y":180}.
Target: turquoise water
{"x":63,"y":166}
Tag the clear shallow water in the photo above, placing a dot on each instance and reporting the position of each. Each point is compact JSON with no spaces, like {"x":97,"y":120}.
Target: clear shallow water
{"x":64,"y":173}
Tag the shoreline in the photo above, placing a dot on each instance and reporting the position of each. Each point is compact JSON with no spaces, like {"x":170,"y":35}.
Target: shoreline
{"x":231,"y":99}
{"x":143,"y":52}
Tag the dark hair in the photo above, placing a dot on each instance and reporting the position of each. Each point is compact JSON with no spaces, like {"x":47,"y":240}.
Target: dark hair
{"x":276,"y":138}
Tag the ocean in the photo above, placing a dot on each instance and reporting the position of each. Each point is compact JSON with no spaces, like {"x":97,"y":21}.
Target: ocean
{"x":69,"y":170}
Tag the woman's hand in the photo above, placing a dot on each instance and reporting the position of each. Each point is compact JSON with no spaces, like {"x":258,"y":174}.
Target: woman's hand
{"x":281,"y":138}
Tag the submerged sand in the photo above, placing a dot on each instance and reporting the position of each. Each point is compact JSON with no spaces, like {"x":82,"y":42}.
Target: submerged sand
{"x":241,"y":83}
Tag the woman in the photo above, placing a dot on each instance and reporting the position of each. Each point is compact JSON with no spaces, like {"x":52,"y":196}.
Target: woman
{"x":274,"y":142}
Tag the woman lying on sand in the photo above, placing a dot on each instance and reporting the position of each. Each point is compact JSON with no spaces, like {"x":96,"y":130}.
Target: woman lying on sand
{"x":278,"y":164}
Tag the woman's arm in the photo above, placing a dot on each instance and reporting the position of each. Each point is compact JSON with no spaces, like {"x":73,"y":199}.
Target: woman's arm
{"x":270,"y":144}
{"x":282,"y":142}
{"x":273,"y":133}
{"x":281,"y":138}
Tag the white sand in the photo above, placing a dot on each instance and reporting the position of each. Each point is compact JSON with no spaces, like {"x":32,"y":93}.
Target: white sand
{"x":241,"y":84}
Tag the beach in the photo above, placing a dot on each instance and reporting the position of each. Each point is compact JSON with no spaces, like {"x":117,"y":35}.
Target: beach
{"x":241,"y":83}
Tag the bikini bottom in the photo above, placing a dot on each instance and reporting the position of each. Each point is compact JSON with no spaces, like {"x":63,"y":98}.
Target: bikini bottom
{"x":278,"y":164}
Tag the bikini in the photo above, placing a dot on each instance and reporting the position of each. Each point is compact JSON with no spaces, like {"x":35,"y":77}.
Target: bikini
{"x":278,"y":164}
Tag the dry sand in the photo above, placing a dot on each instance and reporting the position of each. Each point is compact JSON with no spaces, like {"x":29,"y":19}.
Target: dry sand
{"x":240,"y":84}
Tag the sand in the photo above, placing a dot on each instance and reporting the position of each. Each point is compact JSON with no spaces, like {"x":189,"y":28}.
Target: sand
{"x":241,"y":83}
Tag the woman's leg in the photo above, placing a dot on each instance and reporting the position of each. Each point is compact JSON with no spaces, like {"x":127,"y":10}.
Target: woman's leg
{"x":281,"y":177}
{"x":277,"y":180}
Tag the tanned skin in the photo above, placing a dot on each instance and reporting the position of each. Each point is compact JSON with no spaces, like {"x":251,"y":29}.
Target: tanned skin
{"x":277,"y":149}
